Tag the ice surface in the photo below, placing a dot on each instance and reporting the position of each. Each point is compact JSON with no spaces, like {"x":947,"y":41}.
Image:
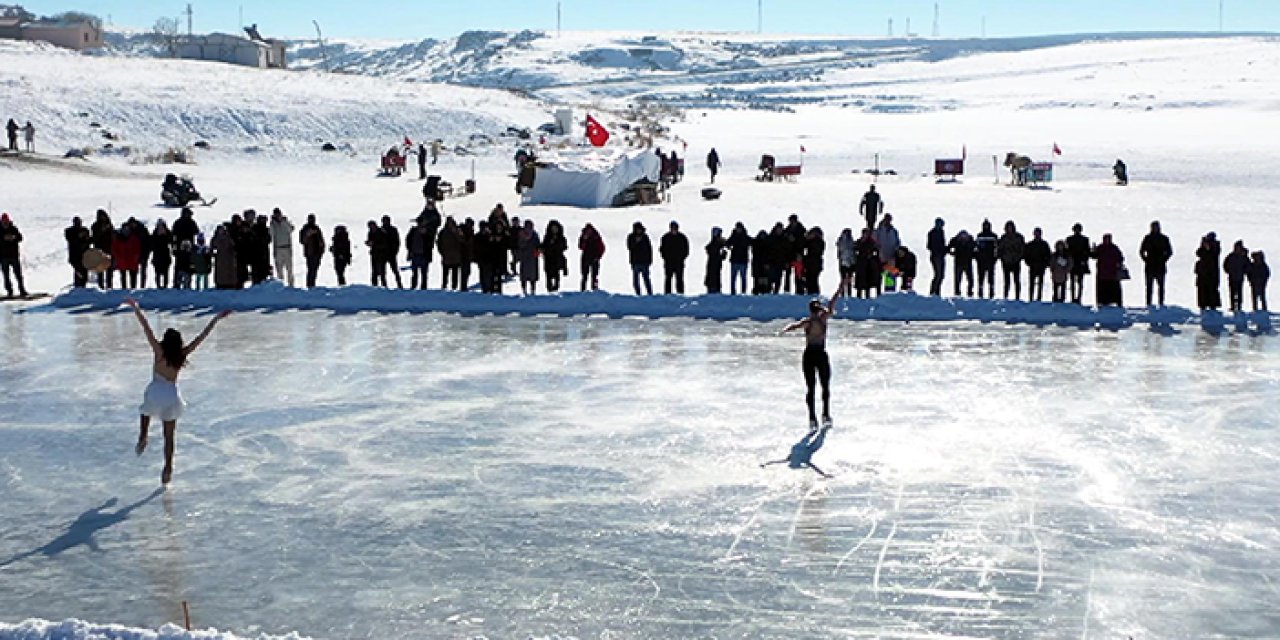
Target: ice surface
{"x":383,"y":475}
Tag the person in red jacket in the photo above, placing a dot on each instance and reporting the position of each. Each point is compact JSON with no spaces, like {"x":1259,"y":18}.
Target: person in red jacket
{"x":126,"y":249}
{"x":592,"y":247}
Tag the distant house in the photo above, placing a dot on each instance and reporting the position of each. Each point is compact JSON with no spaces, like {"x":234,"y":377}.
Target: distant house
{"x":71,"y":33}
{"x":253,"y":51}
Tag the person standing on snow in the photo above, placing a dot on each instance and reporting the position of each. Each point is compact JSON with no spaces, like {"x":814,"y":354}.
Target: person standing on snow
{"x":1208,"y":280}
{"x":886,"y":236}
{"x":1235,"y":265}
{"x":449,"y":243}
{"x":867,"y":265}
{"x":528,"y":250}
{"x":674,"y":248}
{"x":1060,"y":267}
{"x":340,"y":247}
{"x":78,"y":242}
{"x":312,"y":240}
{"x":1110,"y":265}
{"x":962,"y":249}
{"x":391,"y":236}
{"x":1010,"y":249}
{"x":814,"y":247}
{"x":1155,"y":253}
{"x":419,"y":244}
{"x":592,"y":247}
{"x":640,"y":255}
{"x":12,"y":129}
{"x":11,"y":255}
{"x":554,"y":247}
{"x":815,"y":363}
{"x":422,"y":161}
{"x":103,"y":233}
{"x":846,"y":258}
{"x":29,"y":134}
{"x":793,"y":268}
{"x":1037,"y":256}
{"x":1258,"y":273}
{"x":937,"y":246}
{"x":716,"y":253}
{"x":1080,"y":250}
{"x":985,"y":252}
{"x":162,"y":253}
{"x":739,"y":244}
{"x":713,"y":164}
{"x":871,"y":206}
{"x":282,"y":245}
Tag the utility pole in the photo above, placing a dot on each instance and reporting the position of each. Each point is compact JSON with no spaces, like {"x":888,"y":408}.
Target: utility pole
{"x":1220,"y":13}
{"x":890,"y":27}
{"x":759,"y":16}
{"x":558,"y":19}
{"x":190,"y":13}
{"x":908,"y":33}
{"x":937,"y":21}
{"x":324,"y":55}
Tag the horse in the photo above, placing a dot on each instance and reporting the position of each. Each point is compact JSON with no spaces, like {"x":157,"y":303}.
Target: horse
{"x":1019,"y":166}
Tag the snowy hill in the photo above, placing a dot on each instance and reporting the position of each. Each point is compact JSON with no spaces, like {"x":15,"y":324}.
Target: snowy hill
{"x":152,"y":104}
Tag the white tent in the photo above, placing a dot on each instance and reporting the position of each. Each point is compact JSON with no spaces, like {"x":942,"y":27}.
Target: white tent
{"x":593,"y":180}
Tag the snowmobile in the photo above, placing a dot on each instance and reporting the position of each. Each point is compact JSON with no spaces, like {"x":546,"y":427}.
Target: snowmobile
{"x":180,"y":192}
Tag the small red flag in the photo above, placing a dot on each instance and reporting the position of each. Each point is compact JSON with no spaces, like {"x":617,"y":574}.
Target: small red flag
{"x":802,"y":149}
{"x":596,"y":133}
{"x":408,"y":142}
{"x":1056,"y":150}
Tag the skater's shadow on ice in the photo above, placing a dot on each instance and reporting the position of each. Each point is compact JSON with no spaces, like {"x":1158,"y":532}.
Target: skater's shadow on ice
{"x":81,"y":531}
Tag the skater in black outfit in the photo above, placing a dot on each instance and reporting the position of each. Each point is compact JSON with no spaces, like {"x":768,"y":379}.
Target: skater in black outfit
{"x":871,"y":206}
{"x":815,"y":363}
{"x":713,"y":164}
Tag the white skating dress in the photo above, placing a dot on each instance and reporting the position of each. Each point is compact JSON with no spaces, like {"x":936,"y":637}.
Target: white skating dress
{"x":161,"y":400}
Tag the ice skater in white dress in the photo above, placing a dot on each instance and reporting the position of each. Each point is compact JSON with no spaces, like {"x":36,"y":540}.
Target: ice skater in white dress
{"x":161,"y":399}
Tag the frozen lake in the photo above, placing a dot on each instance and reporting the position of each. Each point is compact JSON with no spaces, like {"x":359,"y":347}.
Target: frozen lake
{"x":376,"y":476}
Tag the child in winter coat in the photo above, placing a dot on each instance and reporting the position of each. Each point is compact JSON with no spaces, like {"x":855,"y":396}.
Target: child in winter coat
{"x":1258,"y":273}
{"x":1060,"y":266}
{"x":201,"y":263}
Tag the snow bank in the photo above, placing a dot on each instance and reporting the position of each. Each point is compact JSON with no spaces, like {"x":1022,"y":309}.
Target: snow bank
{"x":34,"y":629}
{"x":900,"y":307}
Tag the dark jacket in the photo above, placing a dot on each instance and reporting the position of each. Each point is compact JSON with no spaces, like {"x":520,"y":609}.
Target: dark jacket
{"x":1235,"y":265}
{"x":554,"y":246}
{"x":906,"y":263}
{"x":420,"y":243}
{"x":1258,"y":273}
{"x":985,"y":247}
{"x":450,"y":245}
{"x":1109,"y":260}
{"x":814,"y":248}
{"x":674,"y":248}
{"x":963,"y":248}
{"x":761,"y":252}
{"x":937,"y":244}
{"x":162,"y":249}
{"x":739,"y":247}
{"x":78,"y":241}
{"x":1011,"y":248}
{"x":9,"y":239}
{"x":1037,"y":255}
{"x":391,"y":236}
{"x":102,"y":233}
{"x":1080,"y":251}
{"x":1155,"y":252}
{"x":185,"y":228}
{"x":639,"y":249}
{"x":312,"y":241}
{"x":592,"y":247}
{"x":795,"y":239}
{"x":340,"y":247}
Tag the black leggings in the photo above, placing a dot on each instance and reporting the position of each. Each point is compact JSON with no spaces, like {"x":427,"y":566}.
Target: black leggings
{"x":817,"y":366}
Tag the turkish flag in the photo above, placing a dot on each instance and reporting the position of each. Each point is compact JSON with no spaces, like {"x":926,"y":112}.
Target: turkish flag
{"x":1056,"y":150}
{"x":596,"y":133}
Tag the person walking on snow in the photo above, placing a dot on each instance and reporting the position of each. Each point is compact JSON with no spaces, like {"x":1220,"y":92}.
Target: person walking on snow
{"x":12,"y":129}
{"x":815,"y":363}
{"x":29,"y":136}
{"x":713,"y":164}
{"x":10,"y":256}
{"x":282,"y":245}
{"x":161,"y":400}
{"x":1155,"y":253}
{"x":640,"y":254}
{"x":739,"y":258}
{"x":312,"y":240}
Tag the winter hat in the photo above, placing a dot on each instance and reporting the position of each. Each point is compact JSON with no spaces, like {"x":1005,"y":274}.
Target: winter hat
{"x":716,"y":231}
{"x":4,"y":217}
{"x":938,"y":222}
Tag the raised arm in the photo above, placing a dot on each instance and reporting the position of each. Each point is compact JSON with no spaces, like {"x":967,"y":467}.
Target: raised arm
{"x":142,"y":320}
{"x":795,"y":325}
{"x":205,"y":334}
{"x":773,"y":462}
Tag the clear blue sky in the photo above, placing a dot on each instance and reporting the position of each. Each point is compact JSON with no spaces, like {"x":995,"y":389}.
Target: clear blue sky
{"x":416,"y":19}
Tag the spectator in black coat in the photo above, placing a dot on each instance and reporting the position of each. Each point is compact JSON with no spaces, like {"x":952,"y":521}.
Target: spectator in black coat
{"x":985,"y":254}
{"x":1208,"y":280}
{"x":674,"y":248}
{"x":1235,"y":265}
{"x":906,"y":264}
{"x":739,"y":258}
{"x":185,"y":228}
{"x":1155,"y":253}
{"x":79,"y":240}
{"x":162,"y":253}
{"x":592,"y":247}
{"x":102,"y":233}
{"x":392,"y":237}
{"x":761,"y":249}
{"x":312,"y":240}
{"x":1081,"y":251}
{"x":261,"y":250}
{"x":793,"y":268}
{"x":871,"y":206}
{"x":340,"y":247}
{"x":554,"y":262}
{"x":144,"y":240}
{"x":962,"y":250}
{"x":468,"y":228}
{"x":937,"y":246}
{"x":419,"y":244}
{"x":867,"y":265}
{"x":242,"y":240}
{"x":485,"y":260}
{"x":640,"y":255}
{"x":717,"y":251}
{"x":1258,"y":273}
{"x":11,"y":255}
{"x":781,"y":258}
{"x":1037,"y":255}
{"x":378,"y":246}
{"x":814,"y":247}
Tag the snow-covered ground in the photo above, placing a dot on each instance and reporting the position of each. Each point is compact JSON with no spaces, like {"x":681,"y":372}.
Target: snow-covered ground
{"x":385,"y":476}
{"x":396,"y":474}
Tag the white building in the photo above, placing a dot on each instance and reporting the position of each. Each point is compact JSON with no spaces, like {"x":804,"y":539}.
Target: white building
{"x":224,"y":47}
